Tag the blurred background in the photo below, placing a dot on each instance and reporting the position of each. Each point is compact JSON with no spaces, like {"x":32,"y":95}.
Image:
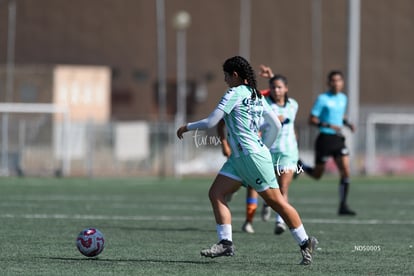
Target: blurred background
{"x":98,"y":87}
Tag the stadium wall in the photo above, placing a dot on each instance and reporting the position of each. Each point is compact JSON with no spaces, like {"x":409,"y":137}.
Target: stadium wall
{"x":122,"y":36}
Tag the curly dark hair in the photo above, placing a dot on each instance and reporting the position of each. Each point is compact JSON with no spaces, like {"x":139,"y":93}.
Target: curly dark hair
{"x":245,"y":71}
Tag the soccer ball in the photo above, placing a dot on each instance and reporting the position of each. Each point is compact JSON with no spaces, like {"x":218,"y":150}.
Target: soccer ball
{"x":90,"y":242}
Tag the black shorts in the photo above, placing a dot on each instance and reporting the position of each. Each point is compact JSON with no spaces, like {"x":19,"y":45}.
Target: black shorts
{"x":328,"y":145}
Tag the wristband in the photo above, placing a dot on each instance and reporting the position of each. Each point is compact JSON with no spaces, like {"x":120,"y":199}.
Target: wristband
{"x":346,"y":122}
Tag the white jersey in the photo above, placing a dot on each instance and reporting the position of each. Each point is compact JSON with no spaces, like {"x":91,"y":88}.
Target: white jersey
{"x":286,"y":140}
{"x":242,"y":118}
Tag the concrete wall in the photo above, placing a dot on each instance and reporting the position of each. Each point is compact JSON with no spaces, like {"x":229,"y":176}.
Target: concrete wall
{"x":122,"y":35}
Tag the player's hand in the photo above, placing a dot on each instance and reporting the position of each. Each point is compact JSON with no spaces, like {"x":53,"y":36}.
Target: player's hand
{"x":181,"y":131}
{"x":265,"y":71}
{"x":285,"y":121}
{"x":336,"y":128}
{"x":352,"y":127}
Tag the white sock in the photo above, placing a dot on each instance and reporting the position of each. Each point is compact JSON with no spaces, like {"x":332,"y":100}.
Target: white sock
{"x":299,"y":234}
{"x":279,"y":219}
{"x":224,"y":232}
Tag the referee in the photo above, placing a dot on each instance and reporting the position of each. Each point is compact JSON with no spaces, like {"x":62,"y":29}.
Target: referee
{"x":328,"y":114}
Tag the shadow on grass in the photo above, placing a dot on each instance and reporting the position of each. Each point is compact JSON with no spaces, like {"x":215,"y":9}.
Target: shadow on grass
{"x":207,"y":261}
{"x":155,"y":229}
{"x":81,"y":259}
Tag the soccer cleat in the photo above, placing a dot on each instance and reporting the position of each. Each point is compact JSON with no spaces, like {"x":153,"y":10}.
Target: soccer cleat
{"x":280,"y":228}
{"x":248,"y":227}
{"x":222,"y":248}
{"x":307,"y":250}
{"x":345,"y":211}
{"x":266,"y":212}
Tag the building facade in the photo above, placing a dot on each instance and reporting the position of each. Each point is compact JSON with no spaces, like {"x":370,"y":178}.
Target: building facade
{"x":302,"y":39}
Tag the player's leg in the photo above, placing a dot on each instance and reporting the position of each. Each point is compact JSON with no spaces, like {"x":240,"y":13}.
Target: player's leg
{"x":251,"y":206}
{"x":284,"y":181}
{"x":258,"y":170}
{"x":277,"y":202}
{"x":266,"y":212}
{"x":221,"y":187}
{"x":266,"y":209}
{"x":342,"y":162}
{"x":318,"y":170}
{"x":321,"y":156}
{"x":314,"y":172}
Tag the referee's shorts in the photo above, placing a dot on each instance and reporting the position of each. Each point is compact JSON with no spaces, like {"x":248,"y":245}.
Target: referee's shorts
{"x":329,"y":145}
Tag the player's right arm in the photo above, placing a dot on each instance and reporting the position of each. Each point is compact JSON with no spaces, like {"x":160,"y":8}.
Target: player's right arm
{"x":266,"y":72}
{"x":208,"y":122}
{"x":226,"y":104}
{"x":314,"y":120}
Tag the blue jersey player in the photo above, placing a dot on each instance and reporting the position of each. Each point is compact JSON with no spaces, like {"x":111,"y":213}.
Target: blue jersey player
{"x":328,"y":114}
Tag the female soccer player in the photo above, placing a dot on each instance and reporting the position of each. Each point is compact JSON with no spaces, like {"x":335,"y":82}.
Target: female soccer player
{"x":250,"y":162}
{"x":284,"y":150}
{"x":251,"y":194}
{"x":328,"y":114}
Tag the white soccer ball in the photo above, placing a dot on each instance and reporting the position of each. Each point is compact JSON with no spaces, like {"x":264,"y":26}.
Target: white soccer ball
{"x":90,"y":242}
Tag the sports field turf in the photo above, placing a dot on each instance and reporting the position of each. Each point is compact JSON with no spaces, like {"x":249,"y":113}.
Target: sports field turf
{"x":157,"y":227}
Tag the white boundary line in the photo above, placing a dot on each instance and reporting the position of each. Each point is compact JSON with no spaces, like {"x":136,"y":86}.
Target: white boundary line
{"x":192,"y":218}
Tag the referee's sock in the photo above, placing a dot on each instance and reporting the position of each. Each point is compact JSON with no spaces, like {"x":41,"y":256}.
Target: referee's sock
{"x":343,"y":193}
{"x":343,"y":190}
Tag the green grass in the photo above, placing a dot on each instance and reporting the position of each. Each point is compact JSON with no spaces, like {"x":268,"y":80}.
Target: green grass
{"x":157,"y":227}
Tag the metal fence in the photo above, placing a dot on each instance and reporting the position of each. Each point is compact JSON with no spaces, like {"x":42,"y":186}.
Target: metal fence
{"x":139,"y":148}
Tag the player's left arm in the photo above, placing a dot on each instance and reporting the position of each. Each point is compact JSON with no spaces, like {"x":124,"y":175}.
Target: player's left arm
{"x":345,"y":119}
{"x":274,"y":126}
{"x":348,"y":124}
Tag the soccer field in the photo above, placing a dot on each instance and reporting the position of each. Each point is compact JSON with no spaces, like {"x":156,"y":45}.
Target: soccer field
{"x":157,"y":227}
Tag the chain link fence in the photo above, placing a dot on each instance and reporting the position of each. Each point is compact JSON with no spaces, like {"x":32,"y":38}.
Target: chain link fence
{"x":32,"y":146}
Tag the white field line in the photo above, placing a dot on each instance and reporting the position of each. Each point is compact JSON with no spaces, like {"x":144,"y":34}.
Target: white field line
{"x":193,"y":218}
{"x":117,"y":198}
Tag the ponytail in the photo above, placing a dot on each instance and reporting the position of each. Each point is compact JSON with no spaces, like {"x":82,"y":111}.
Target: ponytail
{"x":245,"y":71}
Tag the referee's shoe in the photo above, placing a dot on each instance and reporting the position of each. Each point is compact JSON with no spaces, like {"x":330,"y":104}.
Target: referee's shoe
{"x":345,"y":211}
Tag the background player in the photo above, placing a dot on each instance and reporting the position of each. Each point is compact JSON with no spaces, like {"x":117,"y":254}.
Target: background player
{"x":284,"y":150}
{"x":328,"y":114}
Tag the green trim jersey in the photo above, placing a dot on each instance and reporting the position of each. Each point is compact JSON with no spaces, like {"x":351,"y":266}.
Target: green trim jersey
{"x":286,"y":142}
{"x":242,"y":118}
